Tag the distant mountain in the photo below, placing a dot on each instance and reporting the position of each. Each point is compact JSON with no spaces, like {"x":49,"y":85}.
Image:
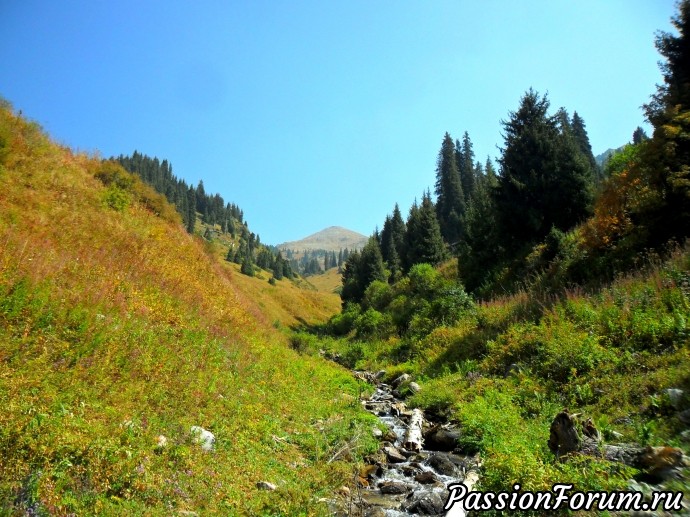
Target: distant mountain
{"x":602,"y":158}
{"x":333,"y":238}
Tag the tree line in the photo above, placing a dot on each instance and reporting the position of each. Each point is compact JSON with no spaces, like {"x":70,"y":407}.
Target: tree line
{"x":546,"y":201}
{"x":245,"y":249}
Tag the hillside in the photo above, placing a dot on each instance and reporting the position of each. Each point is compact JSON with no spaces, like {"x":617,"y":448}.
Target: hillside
{"x":333,"y":238}
{"x":119,"y":331}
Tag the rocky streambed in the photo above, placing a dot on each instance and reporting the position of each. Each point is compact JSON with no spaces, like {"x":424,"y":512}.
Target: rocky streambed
{"x":416,"y":463}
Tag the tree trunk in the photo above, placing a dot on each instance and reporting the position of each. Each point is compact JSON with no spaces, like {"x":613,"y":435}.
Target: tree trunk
{"x":413,"y":435}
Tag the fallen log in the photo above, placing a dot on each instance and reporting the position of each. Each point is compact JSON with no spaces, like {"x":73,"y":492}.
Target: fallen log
{"x":413,"y":435}
{"x":458,"y":509}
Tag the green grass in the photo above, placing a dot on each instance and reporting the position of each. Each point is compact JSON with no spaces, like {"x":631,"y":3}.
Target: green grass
{"x":116,"y":327}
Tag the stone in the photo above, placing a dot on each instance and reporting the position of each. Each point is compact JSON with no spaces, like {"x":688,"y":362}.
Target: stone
{"x":377,"y":432}
{"x":394,"y":487}
{"x":380,"y":374}
{"x":414,"y":387}
{"x":425,"y":503}
{"x":685,"y":435}
{"x":405,"y":377}
{"x":684,"y":416}
{"x":442,"y":465}
{"x":441,"y":439}
{"x":426,"y":478}
{"x":675,"y":396}
{"x":203,"y":437}
{"x":265,"y":485}
{"x":161,"y":441}
{"x":394,"y":455}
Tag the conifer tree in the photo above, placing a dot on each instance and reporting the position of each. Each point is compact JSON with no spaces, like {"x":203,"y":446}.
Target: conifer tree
{"x":424,"y":243}
{"x":467,"y":168}
{"x":544,"y":183}
{"x":450,"y":205}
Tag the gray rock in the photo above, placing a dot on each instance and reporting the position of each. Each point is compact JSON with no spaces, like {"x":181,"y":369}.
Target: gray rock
{"x":441,"y":439}
{"x":377,"y":432}
{"x":675,"y":396}
{"x":380,"y":374}
{"x":684,"y":416}
{"x":394,"y":455}
{"x":442,"y":465}
{"x":405,"y":377}
{"x":265,"y":485}
{"x":685,"y":435}
{"x":414,"y":387}
{"x":425,"y":503}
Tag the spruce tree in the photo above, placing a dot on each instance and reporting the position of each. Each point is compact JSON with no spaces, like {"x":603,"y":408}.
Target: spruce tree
{"x":582,"y":139}
{"x":467,"y":168}
{"x":424,"y":243}
{"x":544,"y":181}
{"x":450,"y":204}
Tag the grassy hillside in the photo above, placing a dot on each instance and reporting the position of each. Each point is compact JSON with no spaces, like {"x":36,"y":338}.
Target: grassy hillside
{"x":328,"y":282}
{"x":504,"y":368}
{"x":117,"y":327}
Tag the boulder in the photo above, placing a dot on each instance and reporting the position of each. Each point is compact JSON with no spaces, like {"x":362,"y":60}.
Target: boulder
{"x":203,"y":437}
{"x":394,"y":487}
{"x":265,"y":485}
{"x":414,"y":387}
{"x":675,"y":396}
{"x":426,"y":478}
{"x":442,"y":465}
{"x":441,"y":439}
{"x":425,"y":503}
{"x":405,"y":377}
{"x":394,"y":455}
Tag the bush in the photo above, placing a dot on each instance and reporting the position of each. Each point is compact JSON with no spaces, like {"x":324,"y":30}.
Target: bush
{"x":372,"y":323}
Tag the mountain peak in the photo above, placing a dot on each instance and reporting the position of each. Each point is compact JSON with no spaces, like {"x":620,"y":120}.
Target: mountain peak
{"x":333,"y":238}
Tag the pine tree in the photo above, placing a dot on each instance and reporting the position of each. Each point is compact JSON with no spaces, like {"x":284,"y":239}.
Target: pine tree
{"x":450,"y":205}
{"x":424,"y":243}
{"x":544,"y":181}
{"x":582,"y":139}
{"x":467,"y":168}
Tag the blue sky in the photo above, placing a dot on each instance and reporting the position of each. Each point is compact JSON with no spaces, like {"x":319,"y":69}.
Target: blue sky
{"x":311,"y":114}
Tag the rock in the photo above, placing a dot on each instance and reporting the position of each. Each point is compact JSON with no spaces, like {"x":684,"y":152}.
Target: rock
{"x":394,"y":487}
{"x":344,"y":491}
{"x":203,"y":437}
{"x":684,"y":416}
{"x":662,"y":462}
{"x":390,"y":436}
{"x":426,"y":478}
{"x":563,"y":436}
{"x":675,"y":396}
{"x":265,"y":485}
{"x":441,"y":439}
{"x":375,"y":512}
{"x":394,"y":455}
{"x":405,"y":377}
{"x":425,"y":503}
{"x":414,"y":387}
{"x":161,"y":441}
{"x":616,"y":435}
{"x":377,"y":432}
{"x":380,"y":374}
{"x":685,"y":435}
{"x":442,"y":465}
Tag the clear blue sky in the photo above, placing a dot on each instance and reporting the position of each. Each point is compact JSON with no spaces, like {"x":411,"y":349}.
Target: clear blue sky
{"x":309,"y":114}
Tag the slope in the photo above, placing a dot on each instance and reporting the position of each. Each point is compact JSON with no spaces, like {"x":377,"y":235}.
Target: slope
{"x":117,"y":328}
{"x":333,"y":238}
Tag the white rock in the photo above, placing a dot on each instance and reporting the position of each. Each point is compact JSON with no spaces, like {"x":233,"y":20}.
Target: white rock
{"x":414,"y":387}
{"x":203,"y":437}
{"x":161,"y":441}
{"x":403,"y":378}
{"x":265,"y":485}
